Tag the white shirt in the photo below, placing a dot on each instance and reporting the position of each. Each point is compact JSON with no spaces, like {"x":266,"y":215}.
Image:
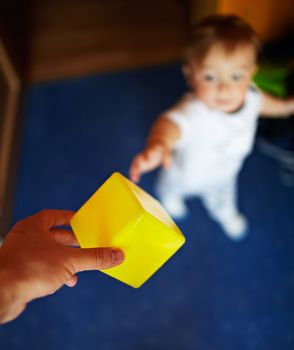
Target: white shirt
{"x":213,"y":144}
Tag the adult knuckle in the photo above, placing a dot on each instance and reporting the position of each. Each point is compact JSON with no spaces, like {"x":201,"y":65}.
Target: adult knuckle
{"x":99,"y":256}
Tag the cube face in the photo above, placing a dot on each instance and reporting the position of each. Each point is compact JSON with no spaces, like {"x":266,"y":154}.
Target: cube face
{"x":106,"y":213}
{"x":122,"y":215}
{"x":152,"y":206}
{"x":147,"y":247}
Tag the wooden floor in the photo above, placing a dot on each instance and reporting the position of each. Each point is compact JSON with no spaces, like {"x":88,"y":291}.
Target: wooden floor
{"x":74,"y":37}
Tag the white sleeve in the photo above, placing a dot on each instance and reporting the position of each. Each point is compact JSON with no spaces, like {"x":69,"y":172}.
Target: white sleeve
{"x":180,"y":114}
{"x":183,"y":124}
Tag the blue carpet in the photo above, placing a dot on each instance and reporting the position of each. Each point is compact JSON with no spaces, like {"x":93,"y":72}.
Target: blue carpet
{"x":214,"y":294}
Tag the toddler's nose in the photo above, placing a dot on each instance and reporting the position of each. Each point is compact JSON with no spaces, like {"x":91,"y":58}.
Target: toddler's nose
{"x":224,"y":88}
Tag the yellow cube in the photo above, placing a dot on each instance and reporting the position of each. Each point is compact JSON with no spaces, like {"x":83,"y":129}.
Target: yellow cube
{"x":120,"y":214}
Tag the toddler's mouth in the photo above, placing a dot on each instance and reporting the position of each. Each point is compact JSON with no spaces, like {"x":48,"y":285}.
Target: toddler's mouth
{"x":223,"y":102}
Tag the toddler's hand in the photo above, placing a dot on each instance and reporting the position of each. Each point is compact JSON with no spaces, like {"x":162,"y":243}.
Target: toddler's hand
{"x":290,"y":105}
{"x":152,"y":157}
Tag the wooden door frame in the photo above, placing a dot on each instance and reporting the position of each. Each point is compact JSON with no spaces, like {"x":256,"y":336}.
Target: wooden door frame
{"x":9,"y":137}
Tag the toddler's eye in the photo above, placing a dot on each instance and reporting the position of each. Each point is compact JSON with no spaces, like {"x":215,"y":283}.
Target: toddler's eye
{"x":209,"y":77}
{"x":237,"y":77}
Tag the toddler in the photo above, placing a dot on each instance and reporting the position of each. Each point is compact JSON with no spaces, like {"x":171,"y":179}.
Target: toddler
{"x":202,"y":141}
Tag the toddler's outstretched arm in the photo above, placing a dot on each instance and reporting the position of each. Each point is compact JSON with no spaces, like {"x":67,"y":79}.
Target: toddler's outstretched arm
{"x":273,"y":107}
{"x":158,"y":150}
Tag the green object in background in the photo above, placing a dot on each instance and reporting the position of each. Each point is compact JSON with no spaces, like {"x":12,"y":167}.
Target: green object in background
{"x":272,"y":80}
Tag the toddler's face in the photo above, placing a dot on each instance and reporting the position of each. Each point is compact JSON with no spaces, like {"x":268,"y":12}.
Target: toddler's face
{"x":222,"y":79}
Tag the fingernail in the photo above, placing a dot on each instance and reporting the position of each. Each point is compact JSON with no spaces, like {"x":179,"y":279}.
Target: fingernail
{"x":117,"y":256}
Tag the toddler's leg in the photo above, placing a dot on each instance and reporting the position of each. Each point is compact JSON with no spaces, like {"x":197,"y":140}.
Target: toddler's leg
{"x":221,"y":203}
{"x":172,"y":200}
{"x":175,"y":206}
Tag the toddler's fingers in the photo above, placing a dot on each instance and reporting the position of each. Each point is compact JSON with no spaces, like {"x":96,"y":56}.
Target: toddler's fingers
{"x":140,"y":165}
{"x":134,"y":175}
{"x":150,"y":156}
{"x":167,"y":159}
{"x":135,"y":170}
{"x":143,"y":163}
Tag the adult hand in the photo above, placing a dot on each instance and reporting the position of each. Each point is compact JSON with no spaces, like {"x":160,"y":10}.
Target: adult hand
{"x":37,"y":258}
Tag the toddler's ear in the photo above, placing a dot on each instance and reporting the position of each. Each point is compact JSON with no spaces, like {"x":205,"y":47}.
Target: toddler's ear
{"x":187,"y":72}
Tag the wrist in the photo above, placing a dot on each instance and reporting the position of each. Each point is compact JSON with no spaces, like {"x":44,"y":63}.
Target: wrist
{"x":10,"y":298}
{"x":159,"y":144}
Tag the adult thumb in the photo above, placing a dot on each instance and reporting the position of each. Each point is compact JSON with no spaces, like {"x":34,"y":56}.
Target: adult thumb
{"x":83,"y":259}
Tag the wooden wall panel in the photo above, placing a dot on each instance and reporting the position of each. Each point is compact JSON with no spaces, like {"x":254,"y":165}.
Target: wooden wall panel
{"x":74,"y":37}
{"x":270,"y":18}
